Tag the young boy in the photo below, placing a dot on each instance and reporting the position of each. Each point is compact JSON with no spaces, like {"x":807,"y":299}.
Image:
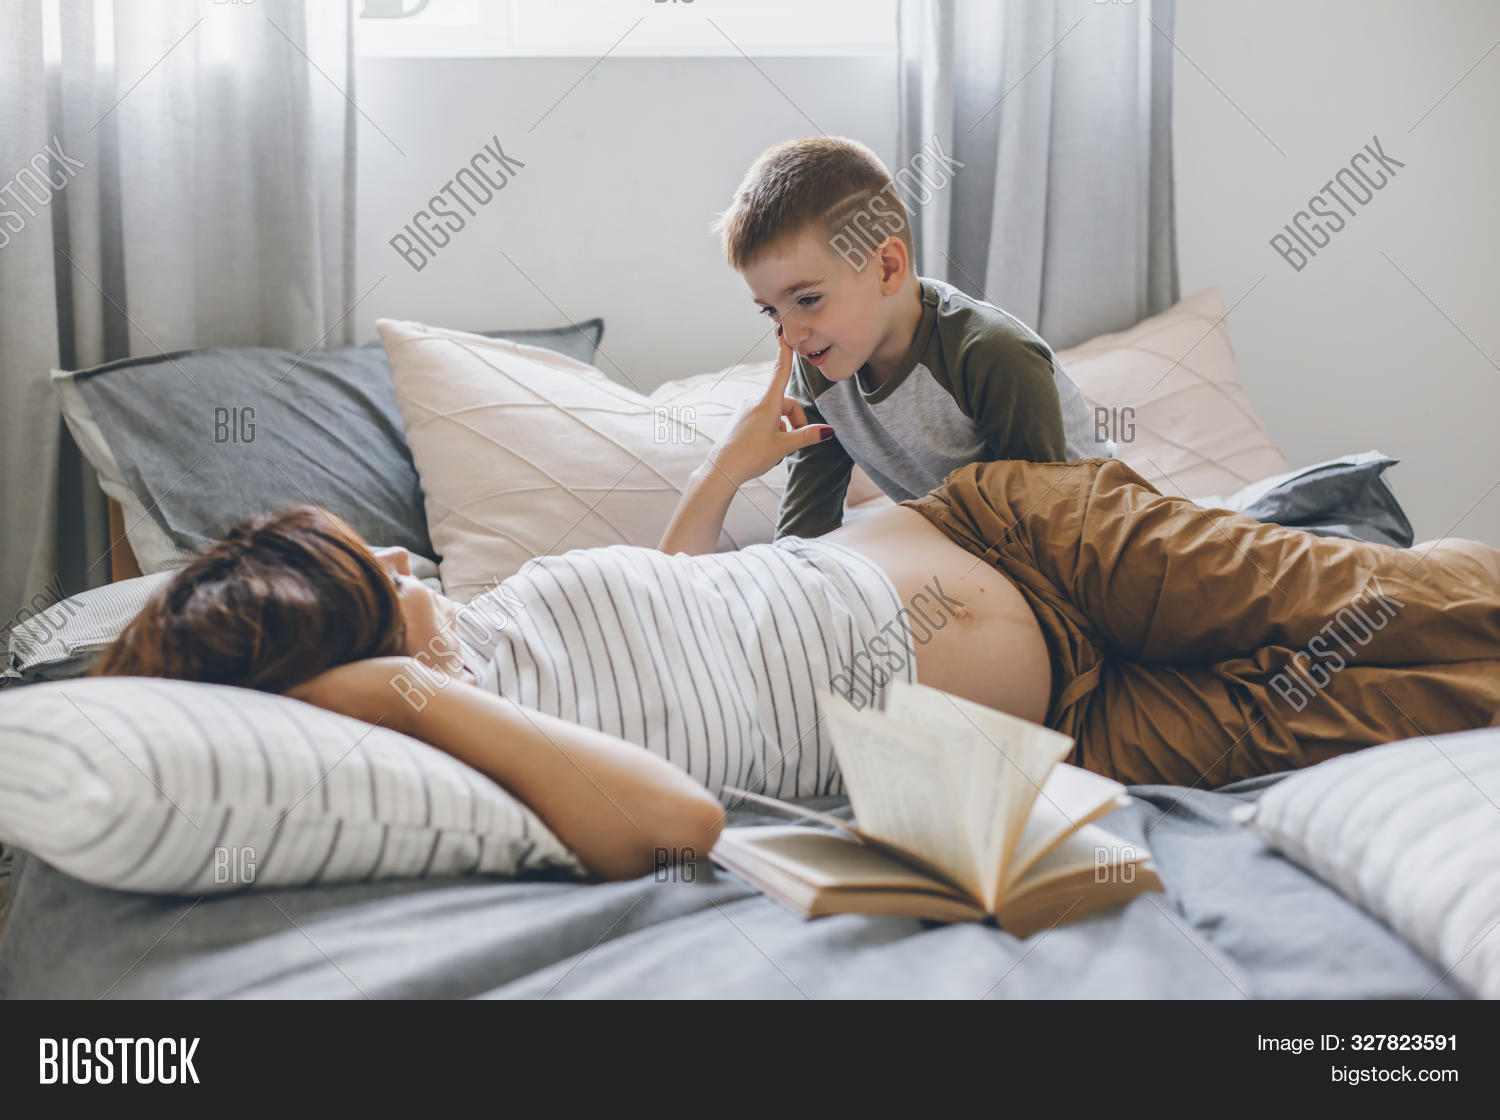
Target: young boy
{"x":916,"y":378}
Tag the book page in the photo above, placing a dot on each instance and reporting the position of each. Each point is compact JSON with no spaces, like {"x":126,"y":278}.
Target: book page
{"x":1092,"y":853}
{"x":1000,"y":763}
{"x":1070,"y":798}
{"x":824,"y":860}
{"x":900,"y":788}
{"x":815,"y":873}
{"x":787,"y":808}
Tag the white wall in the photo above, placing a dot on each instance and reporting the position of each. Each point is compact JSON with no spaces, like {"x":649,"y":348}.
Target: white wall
{"x":1347,"y":354}
{"x":609,"y":217}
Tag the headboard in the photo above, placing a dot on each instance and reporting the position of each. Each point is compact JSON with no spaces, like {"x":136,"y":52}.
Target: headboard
{"x":122,"y":561}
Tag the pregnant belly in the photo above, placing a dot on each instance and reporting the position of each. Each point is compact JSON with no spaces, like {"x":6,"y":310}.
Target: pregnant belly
{"x":973,"y":632}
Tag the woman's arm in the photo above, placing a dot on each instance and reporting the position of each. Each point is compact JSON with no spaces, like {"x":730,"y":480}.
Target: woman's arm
{"x":756,"y":442}
{"x":699,"y":517}
{"x":612,"y":803}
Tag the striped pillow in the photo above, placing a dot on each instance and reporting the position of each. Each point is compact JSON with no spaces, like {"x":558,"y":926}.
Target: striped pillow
{"x":1408,"y":831}
{"x":66,"y":638}
{"x":175,"y":787}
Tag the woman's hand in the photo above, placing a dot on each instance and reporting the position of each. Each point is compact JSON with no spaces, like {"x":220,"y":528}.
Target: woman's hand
{"x":766,"y":430}
{"x":755,"y":442}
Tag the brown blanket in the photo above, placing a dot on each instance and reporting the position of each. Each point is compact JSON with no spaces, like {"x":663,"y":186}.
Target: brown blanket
{"x":1199,"y":645}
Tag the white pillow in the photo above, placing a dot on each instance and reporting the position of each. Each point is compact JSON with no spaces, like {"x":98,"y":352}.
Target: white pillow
{"x":1195,"y":430}
{"x":1411,"y":832}
{"x":523,"y":452}
{"x":177,"y":787}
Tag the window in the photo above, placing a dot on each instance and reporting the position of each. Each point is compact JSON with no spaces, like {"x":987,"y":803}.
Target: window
{"x":624,"y":28}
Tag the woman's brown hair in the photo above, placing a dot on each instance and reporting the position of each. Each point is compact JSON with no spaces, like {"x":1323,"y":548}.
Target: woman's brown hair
{"x":276,"y":602}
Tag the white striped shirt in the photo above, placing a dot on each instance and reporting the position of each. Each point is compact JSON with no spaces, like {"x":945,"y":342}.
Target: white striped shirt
{"x":709,"y":661}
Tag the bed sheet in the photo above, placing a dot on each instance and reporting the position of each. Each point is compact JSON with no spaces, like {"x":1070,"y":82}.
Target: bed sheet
{"x":1237,"y":920}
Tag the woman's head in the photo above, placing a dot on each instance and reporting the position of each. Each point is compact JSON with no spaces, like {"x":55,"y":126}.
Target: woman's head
{"x":279,"y":600}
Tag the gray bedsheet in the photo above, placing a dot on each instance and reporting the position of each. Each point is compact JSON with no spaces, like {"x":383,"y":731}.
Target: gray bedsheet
{"x":1237,"y":920}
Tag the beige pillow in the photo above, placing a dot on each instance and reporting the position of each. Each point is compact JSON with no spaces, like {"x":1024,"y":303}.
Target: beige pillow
{"x":523,"y":452}
{"x":1196,"y":432}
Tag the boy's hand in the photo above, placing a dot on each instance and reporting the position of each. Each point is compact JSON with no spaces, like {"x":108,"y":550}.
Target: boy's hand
{"x":767,"y":429}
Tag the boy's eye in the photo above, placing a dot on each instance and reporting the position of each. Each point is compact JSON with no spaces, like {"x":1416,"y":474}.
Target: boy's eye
{"x":805,"y":301}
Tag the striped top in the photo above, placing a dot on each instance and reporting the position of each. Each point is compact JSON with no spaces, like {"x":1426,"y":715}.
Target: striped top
{"x":709,"y":661}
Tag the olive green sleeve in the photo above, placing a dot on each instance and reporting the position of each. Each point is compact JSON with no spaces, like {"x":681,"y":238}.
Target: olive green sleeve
{"x":1006,"y":386}
{"x":817,"y":479}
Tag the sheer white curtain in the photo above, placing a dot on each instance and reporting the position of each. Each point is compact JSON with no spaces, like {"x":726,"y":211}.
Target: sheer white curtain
{"x":1061,"y":114}
{"x":172,"y":175}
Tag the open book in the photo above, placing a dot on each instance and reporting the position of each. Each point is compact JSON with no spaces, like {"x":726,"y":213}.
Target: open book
{"x":962,"y":811}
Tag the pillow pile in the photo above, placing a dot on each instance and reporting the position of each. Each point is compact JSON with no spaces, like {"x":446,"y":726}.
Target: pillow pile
{"x":191,"y":442}
{"x":177,"y":787}
{"x":525,"y":452}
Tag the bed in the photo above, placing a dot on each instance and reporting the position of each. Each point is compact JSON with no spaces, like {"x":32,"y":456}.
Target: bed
{"x":1237,"y":919}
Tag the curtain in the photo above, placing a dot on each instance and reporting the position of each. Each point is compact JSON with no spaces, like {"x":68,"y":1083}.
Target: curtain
{"x":1060,"y":114}
{"x":172,"y":175}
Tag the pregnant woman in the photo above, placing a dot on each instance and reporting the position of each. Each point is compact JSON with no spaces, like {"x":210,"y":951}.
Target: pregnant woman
{"x":1174,"y":644}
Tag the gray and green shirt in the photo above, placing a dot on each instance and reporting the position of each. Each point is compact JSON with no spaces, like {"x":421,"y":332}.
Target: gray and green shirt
{"x":975,"y":384}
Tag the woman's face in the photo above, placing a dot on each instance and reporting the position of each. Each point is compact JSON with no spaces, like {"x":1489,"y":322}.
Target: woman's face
{"x":428,"y":616}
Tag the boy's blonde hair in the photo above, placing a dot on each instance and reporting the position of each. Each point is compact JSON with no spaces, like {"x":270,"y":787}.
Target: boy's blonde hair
{"x":836,"y":186}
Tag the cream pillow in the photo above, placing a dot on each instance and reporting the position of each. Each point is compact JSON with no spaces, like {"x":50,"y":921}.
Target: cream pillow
{"x":523,"y":452}
{"x":1196,"y":431}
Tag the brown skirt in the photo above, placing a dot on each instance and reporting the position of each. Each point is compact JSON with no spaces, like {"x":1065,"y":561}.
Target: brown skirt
{"x":1197,"y":645}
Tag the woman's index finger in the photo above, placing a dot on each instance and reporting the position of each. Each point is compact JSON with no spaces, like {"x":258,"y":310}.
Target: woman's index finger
{"x":783,"y":372}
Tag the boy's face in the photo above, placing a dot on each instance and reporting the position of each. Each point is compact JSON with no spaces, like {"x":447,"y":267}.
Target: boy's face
{"x":821,"y":302}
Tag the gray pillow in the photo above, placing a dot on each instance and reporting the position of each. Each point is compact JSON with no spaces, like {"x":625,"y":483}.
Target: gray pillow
{"x":194,"y":441}
{"x":1344,"y":497}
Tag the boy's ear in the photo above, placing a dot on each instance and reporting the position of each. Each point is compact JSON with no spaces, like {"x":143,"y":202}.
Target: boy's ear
{"x":894,"y":262}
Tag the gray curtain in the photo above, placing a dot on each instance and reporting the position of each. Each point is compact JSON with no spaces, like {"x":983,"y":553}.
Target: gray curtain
{"x":1061,"y":116}
{"x":172,"y":175}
